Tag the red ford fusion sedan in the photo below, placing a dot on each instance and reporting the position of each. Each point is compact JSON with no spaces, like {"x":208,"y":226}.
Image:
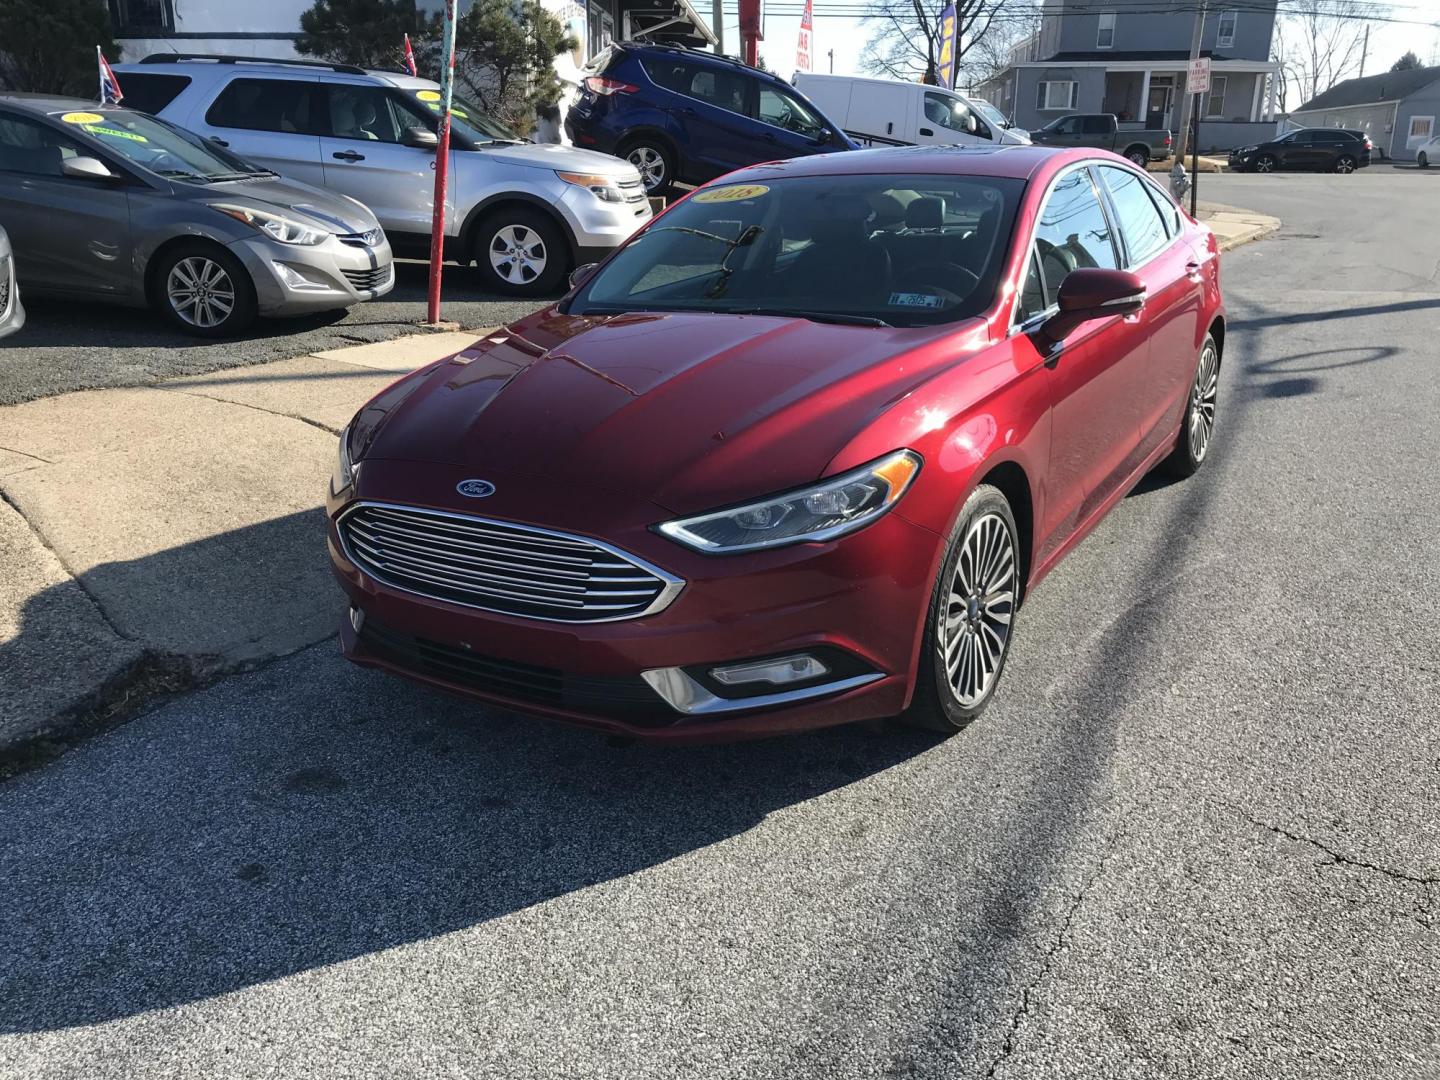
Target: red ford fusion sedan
{"x":795,"y":454}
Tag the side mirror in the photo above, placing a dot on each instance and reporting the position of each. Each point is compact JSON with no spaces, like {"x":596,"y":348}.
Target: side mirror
{"x":86,"y":168}
{"x":1092,"y":293}
{"x":421,"y":138}
{"x":582,"y":274}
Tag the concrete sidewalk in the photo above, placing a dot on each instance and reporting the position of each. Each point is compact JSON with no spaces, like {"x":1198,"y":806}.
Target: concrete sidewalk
{"x":1233,"y":226}
{"x":174,"y":531}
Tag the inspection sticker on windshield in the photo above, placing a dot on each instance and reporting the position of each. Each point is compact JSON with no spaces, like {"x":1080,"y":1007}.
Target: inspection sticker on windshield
{"x":915,"y":299}
{"x":733,"y":193}
{"x":83,"y":118}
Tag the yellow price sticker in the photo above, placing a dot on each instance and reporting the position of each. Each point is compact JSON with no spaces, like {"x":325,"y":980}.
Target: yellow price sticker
{"x":427,"y":95}
{"x":731,"y":193}
{"x":83,"y":118}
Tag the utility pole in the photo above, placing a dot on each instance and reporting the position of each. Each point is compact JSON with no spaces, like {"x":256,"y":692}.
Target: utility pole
{"x":1188,"y":102}
{"x":1364,"y":50}
{"x":831,"y":54}
{"x":717,"y":23}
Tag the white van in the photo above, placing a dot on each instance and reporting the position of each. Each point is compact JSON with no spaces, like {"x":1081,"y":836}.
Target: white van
{"x":883,"y":112}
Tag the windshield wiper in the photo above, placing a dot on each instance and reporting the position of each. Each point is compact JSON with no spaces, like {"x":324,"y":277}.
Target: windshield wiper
{"x":220,"y":178}
{"x":836,"y":317}
{"x":182,"y":174}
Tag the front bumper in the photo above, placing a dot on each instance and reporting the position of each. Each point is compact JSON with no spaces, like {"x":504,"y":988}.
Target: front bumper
{"x":291,"y":279}
{"x":857,"y":601}
{"x":597,"y":226}
{"x":12,"y":312}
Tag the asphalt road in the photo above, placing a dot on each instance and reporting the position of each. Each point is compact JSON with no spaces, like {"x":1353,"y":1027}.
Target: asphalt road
{"x":1194,"y":837}
{"x":63,"y":349}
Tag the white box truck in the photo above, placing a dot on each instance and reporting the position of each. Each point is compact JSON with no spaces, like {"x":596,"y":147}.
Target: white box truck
{"x":883,"y":112}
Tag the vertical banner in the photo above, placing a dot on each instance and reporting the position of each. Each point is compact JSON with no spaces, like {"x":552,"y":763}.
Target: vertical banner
{"x":442,"y":161}
{"x":949,"y":25}
{"x":803,"y":44}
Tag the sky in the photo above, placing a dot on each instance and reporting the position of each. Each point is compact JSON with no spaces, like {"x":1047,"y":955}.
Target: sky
{"x":1388,"y":41}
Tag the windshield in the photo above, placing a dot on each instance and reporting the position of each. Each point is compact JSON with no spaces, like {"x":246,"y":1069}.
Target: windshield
{"x":990,"y":113}
{"x":469,"y":121}
{"x":897,"y":250}
{"x":155,"y":145}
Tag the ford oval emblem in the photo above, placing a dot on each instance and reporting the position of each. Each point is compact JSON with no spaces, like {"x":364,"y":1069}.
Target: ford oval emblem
{"x":475,"y":489}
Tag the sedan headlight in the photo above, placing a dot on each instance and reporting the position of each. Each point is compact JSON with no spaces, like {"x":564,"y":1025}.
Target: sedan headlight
{"x":824,"y":511}
{"x":344,"y":474}
{"x":603,"y":188}
{"x":283,"y":229}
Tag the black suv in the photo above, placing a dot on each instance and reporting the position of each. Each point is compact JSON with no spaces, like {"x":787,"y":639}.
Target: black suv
{"x":1339,"y":150}
{"x":682,"y":115}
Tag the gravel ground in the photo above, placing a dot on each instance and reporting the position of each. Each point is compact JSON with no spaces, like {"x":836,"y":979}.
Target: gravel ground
{"x":1194,"y":837}
{"x":58,"y":352}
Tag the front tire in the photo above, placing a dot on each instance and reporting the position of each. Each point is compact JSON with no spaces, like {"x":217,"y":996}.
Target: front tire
{"x":971,"y":614}
{"x":1422,"y":160}
{"x":1265,"y":163}
{"x":204,"y":290}
{"x":521,"y":252}
{"x":1197,"y":429}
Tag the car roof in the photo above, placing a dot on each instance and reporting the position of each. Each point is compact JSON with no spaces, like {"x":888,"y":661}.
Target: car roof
{"x":1016,"y":162}
{"x":185,"y":65}
{"x":45,"y":104}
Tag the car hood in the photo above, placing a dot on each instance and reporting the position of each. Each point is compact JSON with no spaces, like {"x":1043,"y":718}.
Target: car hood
{"x":330,"y":211}
{"x":687,"y":410}
{"x":554,"y":156}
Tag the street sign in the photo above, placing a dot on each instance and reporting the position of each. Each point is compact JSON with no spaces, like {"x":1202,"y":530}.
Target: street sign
{"x":1197,"y":80}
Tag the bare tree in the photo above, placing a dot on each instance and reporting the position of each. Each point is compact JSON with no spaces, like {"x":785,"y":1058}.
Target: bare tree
{"x":905,"y":35}
{"x":989,"y":54}
{"x":1321,"y":45}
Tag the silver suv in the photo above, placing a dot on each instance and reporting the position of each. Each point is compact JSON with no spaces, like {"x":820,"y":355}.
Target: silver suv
{"x":524,"y":213}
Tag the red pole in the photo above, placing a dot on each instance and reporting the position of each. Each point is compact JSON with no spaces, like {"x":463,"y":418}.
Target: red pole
{"x":442,"y":163}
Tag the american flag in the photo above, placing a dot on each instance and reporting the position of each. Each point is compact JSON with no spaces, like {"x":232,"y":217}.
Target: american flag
{"x":109,"y":85}
{"x":410,"y":57}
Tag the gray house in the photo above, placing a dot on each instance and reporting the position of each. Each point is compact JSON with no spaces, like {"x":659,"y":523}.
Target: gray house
{"x":1129,"y":57}
{"x":1397,"y":109}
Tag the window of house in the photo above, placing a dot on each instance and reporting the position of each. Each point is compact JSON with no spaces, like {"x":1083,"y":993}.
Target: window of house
{"x":1073,"y":232}
{"x":1105,"y":34}
{"x":1421,"y":129}
{"x":135,"y":18}
{"x":1056,"y":95}
{"x":283,"y":105}
{"x":1225,"y":32}
{"x":1215,"y":100}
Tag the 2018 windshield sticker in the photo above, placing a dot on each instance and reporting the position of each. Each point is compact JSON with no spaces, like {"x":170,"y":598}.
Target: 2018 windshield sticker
{"x":731,"y":193}
{"x":82,"y":118}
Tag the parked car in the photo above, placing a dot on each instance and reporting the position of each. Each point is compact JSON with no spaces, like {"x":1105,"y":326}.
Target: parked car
{"x":1102,"y":131}
{"x":877,"y":112}
{"x":679,"y":115}
{"x":1427,"y":152}
{"x":524,"y":214}
{"x":1323,"y":149}
{"x":12,"y":312}
{"x":794,"y":455}
{"x":993,"y":114}
{"x":108,"y":204}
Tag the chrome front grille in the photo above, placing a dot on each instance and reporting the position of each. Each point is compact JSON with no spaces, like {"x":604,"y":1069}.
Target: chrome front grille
{"x":364,"y":280}
{"x":633,"y":192}
{"x":503,"y":567}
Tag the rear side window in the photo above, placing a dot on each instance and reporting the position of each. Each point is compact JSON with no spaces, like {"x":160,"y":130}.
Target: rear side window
{"x":1137,"y":218}
{"x":723,"y":89}
{"x":149,"y":92}
{"x":282,"y":105}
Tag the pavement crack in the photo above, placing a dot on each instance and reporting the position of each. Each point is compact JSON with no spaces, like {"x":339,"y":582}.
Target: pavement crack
{"x":1338,"y":859}
{"x":257,"y":408}
{"x":22,"y":453}
{"x":1048,"y":961}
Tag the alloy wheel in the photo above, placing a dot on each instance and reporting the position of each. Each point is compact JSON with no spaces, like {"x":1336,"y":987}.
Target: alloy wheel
{"x":1265,"y":165}
{"x":651,"y":165}
{"x":1345,"y":165}
{"x":1140,"y":159}
{"x":1202,"y":402}
{"x":200,"y":292}
{"x":518,"y":255}
{"x":975,"y":628}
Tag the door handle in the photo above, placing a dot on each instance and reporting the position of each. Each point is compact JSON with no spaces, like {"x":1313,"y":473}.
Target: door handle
{"x":348,"y":155}
{"x":1192,"y":271}
{"x":926,"y":131}
{"x":767,"y":136}
{"x":218,"y":141}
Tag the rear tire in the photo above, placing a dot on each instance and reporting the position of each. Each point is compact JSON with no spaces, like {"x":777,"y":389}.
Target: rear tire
{"x":204,"y":290}
{"x":655,"y":162}
{"x":1197,"y":429}
{"x":1138,"y":157}
{"x":521,"y":251}
{"x":1422,"y":160}
{"x":1345,"y":164}
{"x":970,"y":619}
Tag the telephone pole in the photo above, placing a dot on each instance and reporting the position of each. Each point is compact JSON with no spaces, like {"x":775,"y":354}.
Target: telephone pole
{"x":717,"y":23}
{"x":1364,"y":50}
{"x":1188,"y":102}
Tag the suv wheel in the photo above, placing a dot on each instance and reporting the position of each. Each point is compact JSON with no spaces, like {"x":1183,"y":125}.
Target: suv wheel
{"x":1345,"y":164}
{"x":655,"y":162}
{"x":204,"y":290}
{"x":520,"y":251}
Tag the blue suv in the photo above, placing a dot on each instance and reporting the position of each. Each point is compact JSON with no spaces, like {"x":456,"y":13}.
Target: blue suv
{"x":679,"y":115}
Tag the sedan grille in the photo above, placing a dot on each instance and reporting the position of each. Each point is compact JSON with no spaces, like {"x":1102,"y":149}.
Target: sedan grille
{"x":502,"y":567}
{"x":364,"y":280}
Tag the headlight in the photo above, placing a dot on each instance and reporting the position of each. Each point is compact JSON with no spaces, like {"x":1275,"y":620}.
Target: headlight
{"x":829,"y":509}
{"x":344,"y":474}
{"x":274,"y":226}
{"x":603,"y":188}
